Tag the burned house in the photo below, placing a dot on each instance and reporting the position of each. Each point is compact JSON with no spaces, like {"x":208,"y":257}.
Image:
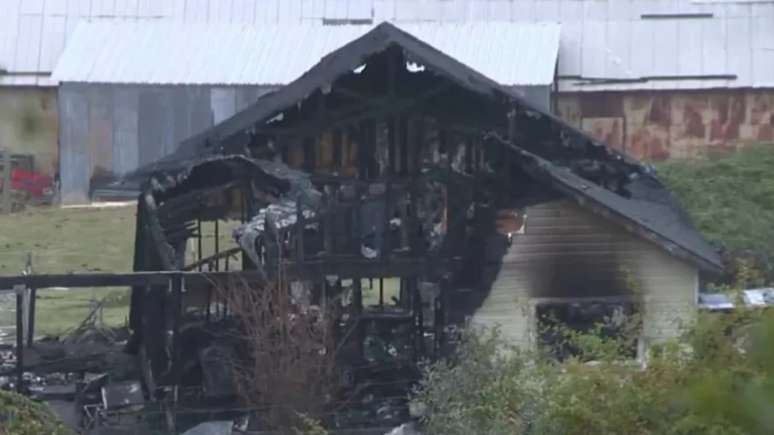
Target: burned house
{"x":413,"y":193}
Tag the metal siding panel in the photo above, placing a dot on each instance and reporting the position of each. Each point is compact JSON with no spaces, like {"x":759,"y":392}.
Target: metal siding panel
{"x":571,"y":12}
{"x":452,"y":11}
{"x":9,"y":32}
{"x":54,"y":7}
{"x":150,"y":9}
{"x":27,"y":57}
{"x":192,"y":53}
{"x":665,"y":56}
{"x":266,"y":12}
{"x":100,"y":134}
{"x":595,"y":10}
{"x":690,"y":48}
{"x":642,"y":62}
{"x":618,"y":58}
{"x":594,"y":52}
{"x":546,"y":10}
{"x":312,"y":9}
{"x":128,"y":8}
{"x":571,"y":49}
{"x":223,"y":103}
{"x":500,"y":10}
{"x":103,"y":8}
{"x":336,"y":9}
{"x":219,"y":11}
{"x":384,"y":10}
{"x":125,"y":129}
{"x":740,"y":61}
{"x":476,"y":10}
{"x":53,"y":41}
{"x":714,"y":47}
{"x":360,"y":9}
{"x":32,"y":7}
{"x":74,"y":160}
{"x":763,"y":52}
{"x":620,"y":10}
{"x":196,"y":10}
{"x":523,"y":10}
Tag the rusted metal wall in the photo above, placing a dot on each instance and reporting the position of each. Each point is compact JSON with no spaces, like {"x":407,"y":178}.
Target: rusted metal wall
{"x":676,"y":124}
{"x":566,"y":252}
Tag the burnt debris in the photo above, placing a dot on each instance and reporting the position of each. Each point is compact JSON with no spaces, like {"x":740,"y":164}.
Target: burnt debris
{"x":371,"y":186}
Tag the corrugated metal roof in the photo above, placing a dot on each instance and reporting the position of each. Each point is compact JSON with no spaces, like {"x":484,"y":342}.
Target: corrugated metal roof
{"x":163,"y":52}
{"x":600,"y":38}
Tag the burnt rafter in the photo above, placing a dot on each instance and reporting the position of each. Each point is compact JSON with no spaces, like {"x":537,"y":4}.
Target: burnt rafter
{"x":374,"y":108}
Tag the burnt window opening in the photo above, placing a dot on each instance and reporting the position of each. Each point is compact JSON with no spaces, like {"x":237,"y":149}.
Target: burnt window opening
{"x":559,"y":323}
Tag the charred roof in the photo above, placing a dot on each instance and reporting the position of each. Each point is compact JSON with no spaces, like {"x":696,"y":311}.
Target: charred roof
{"x":598,"y":177}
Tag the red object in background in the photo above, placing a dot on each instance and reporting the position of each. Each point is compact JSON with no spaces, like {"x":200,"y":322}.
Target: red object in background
{"x":36,"y":184}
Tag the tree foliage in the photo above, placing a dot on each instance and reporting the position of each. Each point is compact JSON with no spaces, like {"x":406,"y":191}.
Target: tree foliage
{"x":718,"y":379}
{"x":21,"y":416}
{"x":730,"y":199}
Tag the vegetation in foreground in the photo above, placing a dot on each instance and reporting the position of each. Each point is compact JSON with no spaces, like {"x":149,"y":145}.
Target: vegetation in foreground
{"x":21,"y":416}
{"x":716,"y":379}
{"x":731,"y":201}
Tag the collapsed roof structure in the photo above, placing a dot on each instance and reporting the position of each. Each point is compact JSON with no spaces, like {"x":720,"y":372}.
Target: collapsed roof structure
{"x":391,"y":161}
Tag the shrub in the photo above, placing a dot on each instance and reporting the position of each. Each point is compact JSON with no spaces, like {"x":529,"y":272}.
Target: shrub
{"x":21,"y":416}
{"x":718,"y":387}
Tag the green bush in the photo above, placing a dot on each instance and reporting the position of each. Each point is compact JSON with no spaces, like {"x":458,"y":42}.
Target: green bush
{"x":21,"y":416}
{"x":730,"y":199}
{"x":718,"y":379}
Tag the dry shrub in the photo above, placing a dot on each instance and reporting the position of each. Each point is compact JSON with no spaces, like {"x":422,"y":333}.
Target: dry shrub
{"x":288,"y":365}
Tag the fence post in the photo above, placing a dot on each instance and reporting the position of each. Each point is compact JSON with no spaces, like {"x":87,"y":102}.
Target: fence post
{"x":19,"y":290}
{"x":5,"y":200}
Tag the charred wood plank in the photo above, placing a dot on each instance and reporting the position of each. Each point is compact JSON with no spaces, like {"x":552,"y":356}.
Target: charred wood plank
{"x":129,"y":279}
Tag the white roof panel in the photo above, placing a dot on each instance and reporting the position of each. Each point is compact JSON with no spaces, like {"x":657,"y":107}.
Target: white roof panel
{"x":164,"y":52}
{"x":607,"y":37}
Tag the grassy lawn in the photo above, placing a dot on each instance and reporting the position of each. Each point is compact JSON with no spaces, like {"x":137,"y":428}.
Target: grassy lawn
{"x":65,"y":240}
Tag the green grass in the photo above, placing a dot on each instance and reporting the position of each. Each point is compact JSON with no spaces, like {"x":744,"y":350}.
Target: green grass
{"x":65,"y":240}
{"x":730,"y":199}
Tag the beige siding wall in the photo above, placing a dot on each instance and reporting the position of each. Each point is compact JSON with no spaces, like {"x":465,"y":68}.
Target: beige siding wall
{"x":567,"y":252}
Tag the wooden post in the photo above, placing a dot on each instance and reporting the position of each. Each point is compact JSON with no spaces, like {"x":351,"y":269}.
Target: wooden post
{"x":5,"y":203}
{"x":177,"y":304}
{"x":386,"y":248}
{"x":328,"y":221}
{"x":31,"y":318}
{"x":19,"y":337}
{"x":299,"y":232}
{"x":217,"y":245}
{"x":30,"y":305}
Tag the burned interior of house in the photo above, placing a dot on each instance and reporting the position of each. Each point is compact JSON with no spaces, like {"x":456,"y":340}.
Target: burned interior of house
{"x":382,"y":188}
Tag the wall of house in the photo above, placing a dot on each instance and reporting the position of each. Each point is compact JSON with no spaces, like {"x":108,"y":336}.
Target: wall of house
{"x":109,"y":130}
{"x":29,"y":123}
{"x":567,"y":252}
{"x":663,"y":125}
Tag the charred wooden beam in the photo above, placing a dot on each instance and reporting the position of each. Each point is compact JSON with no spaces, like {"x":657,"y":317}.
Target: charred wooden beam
{"x":131,"y":279}
{"x":156,"y":233}
{"x":204,"y":261}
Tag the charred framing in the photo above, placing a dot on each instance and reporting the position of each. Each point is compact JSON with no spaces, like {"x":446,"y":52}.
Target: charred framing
{"x":388,"y":164}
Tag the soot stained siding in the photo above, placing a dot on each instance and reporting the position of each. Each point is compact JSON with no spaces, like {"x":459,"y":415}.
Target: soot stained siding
{"x":566,"y":252}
